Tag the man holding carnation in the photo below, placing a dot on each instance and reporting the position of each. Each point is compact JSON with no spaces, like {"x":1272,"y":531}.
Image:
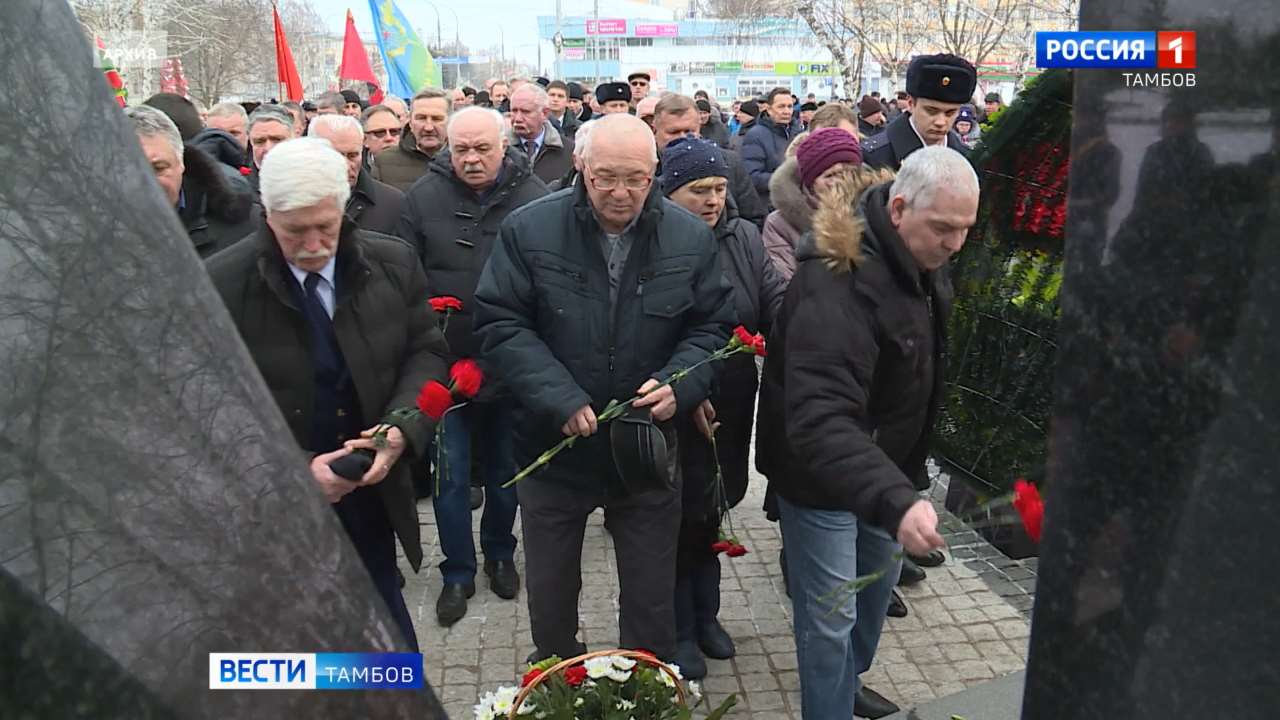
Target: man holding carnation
{"x":338,"y":323}
{"x":451,"y":217}
{"x":594,"y":294}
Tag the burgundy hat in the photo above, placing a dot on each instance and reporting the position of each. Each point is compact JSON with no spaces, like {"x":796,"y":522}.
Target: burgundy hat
{"x":822,"y":149}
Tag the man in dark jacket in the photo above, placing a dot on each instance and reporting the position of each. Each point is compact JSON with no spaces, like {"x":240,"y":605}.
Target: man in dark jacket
{"x":562,"y":116}
{"x":549,"y":153}
{"x":676,"y":116}
{"x":216,"y":210}
{"x":373,"y":206}
{"x":937,"y":85}
{"x":451,"y":218}
{"x":711,"y":128}
{"x":594,"y":294}
{"x":765,"y":146}
{"x":338,"y":323}
{"x":852,"y":386}
{"x":402,"y":165}
{"x":870,"y":116}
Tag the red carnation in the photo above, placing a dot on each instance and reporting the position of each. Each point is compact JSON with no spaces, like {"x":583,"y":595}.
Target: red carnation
{"x":735,"y":551}
{"x":530,"y":676}
{"x":757,"y":345}
{"x":1027,"y":501}
{"x":245,"y":170}
{"x":649,"y":653}
{"x":445,"y":303}
{"x":434,"y":400}
{"x":721,"y":546}
{"x":743,"y":336}
{"x":467,"y":377}
{"x":575,"y":675}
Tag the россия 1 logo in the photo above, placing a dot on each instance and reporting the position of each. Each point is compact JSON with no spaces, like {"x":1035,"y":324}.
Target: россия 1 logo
{"x":1159,"y":51}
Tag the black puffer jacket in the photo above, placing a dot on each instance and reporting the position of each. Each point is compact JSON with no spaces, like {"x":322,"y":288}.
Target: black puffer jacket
{"x":383,"y":325}
{"x":454,"y":232}
{"x":854,"y":375}
{"x":544,"y":314}
{"x":218,"y":209}
{"x":222,"y":147}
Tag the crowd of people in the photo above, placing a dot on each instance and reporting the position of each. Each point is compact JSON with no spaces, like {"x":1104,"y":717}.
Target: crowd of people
{"x":598,"y":241}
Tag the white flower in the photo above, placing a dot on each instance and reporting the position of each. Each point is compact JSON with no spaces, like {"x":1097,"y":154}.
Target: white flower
{"x":484,"y":709}
{"x":577,"y":703}
{"x":619,"y":676}
{"x":695,"y":691}
{"x":598,"y":667}
{"x":666,"y":678}
{"x":504,"y":699}
{"x":626,"y":705}
{"x":528,"y":708}
{"x":623,"y":663}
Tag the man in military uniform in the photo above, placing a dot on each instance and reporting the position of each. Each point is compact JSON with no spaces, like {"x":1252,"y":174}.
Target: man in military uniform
{"x":614,"y":97}
{"x":937,"y":85}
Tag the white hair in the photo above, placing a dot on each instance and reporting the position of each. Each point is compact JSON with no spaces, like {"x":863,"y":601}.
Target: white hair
{"x":582,"y":139}
{"x":540,"y":97}
{"x":620,"y":123}
{"x":229,"y":109}
{"x":334,"y":124}
{"x":926,"y":170}
{"x":394,"y":102}
{"x":150,"y":122}
{"x":302,"y":172}
{"x":494,"y":115}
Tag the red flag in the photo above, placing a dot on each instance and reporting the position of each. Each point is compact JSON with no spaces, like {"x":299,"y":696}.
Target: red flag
{"x":286,"y":71}
{"x":355,"y":62}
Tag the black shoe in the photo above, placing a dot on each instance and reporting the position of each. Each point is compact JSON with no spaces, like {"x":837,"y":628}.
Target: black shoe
{"x":911,"y":573}
{"x":692,"y":665}
{"x":933,"y":559}
{"x":451,"y":606}
{"x":477,"y":497}
{"x":897,"y":607}
{"x":504,"y":581}
{"x":714,"y":641}
{"x":870,"y":704}
{"x":538,"y":656}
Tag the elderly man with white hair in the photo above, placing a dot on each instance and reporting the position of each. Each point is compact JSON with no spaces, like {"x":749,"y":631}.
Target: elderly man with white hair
{"x":550,"y":153}
{"x":217,"y":210}
{"x":591,"y":295}
{"x":373,"y":206}
{"x":852,"y":386}
{"x":339,"y":325}
{"x":451,"y":218}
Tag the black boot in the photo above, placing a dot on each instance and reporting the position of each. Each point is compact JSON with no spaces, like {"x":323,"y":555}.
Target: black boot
{"x":870,"y":704}
{"x":712,"y":638}
{"x":897,"y":606}
{"x":688,"y":656}
{"x":782,"y":563}
{"x":911,"y":573}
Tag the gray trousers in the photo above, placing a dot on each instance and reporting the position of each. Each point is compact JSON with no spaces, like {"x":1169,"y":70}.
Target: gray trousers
{"x":644,"y":529}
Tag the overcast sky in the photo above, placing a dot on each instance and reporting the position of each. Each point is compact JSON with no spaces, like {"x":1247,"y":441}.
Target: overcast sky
{"x":478,"y":20}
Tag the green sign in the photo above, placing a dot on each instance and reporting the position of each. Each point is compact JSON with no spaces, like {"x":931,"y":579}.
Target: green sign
{"x":575,"y":42}
{"x":728,"y":67}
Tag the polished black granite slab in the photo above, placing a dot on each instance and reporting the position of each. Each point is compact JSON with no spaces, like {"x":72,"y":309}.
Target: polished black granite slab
{"x":153,"y":506}
{"x":1159,"y":577}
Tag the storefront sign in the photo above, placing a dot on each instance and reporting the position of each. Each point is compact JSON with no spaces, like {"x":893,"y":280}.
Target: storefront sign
{"x":656,"y":29}
{"x":607,"y":27}
{"x":575,"y":53}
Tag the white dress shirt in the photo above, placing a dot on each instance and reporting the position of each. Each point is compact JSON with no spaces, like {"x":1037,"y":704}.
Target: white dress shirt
{"x":326,"y":289}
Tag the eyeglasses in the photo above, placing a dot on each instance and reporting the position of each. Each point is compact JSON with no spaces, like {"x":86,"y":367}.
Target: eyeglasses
{"x":384,"y":132}
{"x":634,"y":184}
{"x":639,"y":83}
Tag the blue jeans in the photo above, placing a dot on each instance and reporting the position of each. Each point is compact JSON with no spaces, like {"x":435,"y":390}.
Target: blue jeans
{"x":836,"y":633}
{"x":490,"y":424}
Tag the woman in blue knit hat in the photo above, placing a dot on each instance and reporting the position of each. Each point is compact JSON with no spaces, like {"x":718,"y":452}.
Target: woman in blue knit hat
{"x":694,"y":176}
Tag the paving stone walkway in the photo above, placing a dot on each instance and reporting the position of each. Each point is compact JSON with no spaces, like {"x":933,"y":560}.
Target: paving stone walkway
{"x":968,"y":622}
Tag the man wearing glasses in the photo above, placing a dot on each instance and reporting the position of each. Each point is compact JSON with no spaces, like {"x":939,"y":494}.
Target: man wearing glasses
{"x":594,"y":294}
{"x":639,"y":82}
{"x":381,"y":129}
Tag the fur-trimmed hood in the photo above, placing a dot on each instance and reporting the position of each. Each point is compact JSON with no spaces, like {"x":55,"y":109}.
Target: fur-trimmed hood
{"x":210,"y":188}
{"x":839,"y":223}
{"x":789,"y":198}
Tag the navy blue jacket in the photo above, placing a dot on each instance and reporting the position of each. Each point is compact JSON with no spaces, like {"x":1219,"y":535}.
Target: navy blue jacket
{"x":764,"y":148}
